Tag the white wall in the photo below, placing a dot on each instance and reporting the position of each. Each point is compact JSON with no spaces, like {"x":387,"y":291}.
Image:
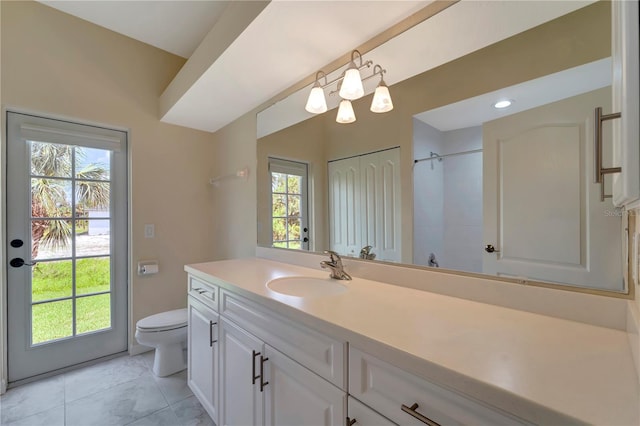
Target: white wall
{"x":462,"y":209}
{"x":428,"y":204}
{"x":448,"y":198}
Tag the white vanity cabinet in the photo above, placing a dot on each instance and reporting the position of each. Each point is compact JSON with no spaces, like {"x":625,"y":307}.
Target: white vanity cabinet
{"x":262,"y":386}
{"x":410,"y":400}
{"x":202,"y":358}
{"x":251,"y":366}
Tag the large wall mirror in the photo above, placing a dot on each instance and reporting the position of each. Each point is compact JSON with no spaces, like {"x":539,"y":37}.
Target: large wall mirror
{"x":446,"y":180}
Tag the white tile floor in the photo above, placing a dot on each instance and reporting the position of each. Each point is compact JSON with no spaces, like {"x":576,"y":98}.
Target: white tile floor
{"x":122,"y":391}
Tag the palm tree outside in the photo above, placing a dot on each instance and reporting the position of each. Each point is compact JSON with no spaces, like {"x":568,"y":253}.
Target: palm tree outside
{"x":65,"y":186}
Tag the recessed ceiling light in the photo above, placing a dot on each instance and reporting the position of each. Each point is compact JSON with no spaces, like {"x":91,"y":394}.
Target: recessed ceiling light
{"x":503,"y":104}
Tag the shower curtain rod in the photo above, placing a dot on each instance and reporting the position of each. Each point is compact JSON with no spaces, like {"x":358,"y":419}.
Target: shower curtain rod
{"x":437,"y":157}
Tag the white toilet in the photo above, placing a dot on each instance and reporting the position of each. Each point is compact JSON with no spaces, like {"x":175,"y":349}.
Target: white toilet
{"x":167,"y":332}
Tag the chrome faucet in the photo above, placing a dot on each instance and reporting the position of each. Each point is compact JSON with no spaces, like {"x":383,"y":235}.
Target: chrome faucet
{"x":365,"y":253}
{"x":335,"y":264}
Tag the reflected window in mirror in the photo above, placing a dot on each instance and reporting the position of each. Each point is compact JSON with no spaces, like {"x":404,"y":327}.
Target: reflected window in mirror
{"x":289,"y":204}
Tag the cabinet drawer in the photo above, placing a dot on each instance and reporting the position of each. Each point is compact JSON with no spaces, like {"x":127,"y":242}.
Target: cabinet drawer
{"x":361,"y":415}
{"x":386,"y":389}
{"x":319,"y":353}
{"x":203,"y":291}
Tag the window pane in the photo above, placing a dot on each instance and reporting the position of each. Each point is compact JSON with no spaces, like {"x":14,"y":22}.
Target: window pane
{"x":51,"y":160}
{"x":296,"y":245}
{"x":50,"y":198}
{"x":294,"y":184}
{"x":93,"y":275}
{"x":92,"y":198}
{"x":278,"y":182}
{"x":294,"y":205}
{"x":94,"y":239}
{"x":93,"y":313}
{"x":50,"y":239}
{"x":294,"y":229}
{"x":93,"y":163}
{"x":279,"y":205}
{"x":51,"y":280}
{"x":51,"y":321}
{"x":280,"y":244}
{"x":279,"y":230}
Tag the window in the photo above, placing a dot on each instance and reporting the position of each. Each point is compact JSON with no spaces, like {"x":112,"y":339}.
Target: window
{"x":289,"y":218}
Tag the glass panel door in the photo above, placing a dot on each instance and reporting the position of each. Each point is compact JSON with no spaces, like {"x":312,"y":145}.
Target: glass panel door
{"x":67,"y":196}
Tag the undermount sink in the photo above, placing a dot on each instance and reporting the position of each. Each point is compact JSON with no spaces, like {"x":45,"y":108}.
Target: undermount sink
{"x":306,"y":286}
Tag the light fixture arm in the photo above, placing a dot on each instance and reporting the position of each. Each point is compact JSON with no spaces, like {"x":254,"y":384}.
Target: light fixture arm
{"x":377,"y":70}
{"x":320,"y":74}
{"x":353,"y":58}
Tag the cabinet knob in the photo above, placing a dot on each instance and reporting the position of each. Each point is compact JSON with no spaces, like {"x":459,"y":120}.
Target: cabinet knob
{"x":262,"y":382}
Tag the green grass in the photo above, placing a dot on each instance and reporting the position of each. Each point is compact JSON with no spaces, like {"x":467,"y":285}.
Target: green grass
{"x":52,"y":280}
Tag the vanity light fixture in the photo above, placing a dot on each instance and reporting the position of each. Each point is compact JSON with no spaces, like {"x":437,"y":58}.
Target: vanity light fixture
{"x":350,"y":88}
{"x":381,"y":98}
{"x":345,"y":112}
{"x":317,"y":104}
{"x":505,"y":103}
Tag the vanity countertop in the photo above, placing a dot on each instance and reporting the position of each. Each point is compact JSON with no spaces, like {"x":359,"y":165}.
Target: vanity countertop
{"x":543,"y":369}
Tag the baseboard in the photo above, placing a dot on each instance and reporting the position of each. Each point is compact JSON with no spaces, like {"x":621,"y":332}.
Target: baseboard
{"x":137,"y":349}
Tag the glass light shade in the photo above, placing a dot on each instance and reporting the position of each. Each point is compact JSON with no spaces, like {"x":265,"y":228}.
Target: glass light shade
{"x":345,"y":112}
{"x":352,"y":84}
{"x":381,"y":99}
{"x":316,"y":104}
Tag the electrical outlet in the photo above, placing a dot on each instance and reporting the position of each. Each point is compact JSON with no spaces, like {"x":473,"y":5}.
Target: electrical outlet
{"x":149,"y":230}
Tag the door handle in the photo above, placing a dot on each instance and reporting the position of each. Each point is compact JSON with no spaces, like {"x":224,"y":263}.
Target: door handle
{"x":262,"y":382}
{"x":211,"y":341}
{"x":491,"y":249}
{"x":413,"y":413}
{"x":253,"y":368}
{"x":17,"y":262}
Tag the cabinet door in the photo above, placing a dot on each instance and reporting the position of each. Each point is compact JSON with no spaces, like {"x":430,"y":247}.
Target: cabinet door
{"x":361,"y":415}
{"x":624,"y":52}
{"x":241,"y":401}
{"x":294,"y":396}
{"x":202,"y":361}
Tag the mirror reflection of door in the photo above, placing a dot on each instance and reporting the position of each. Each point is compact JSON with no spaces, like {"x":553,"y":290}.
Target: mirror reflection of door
{"x":364,"y":205}
{"x":289,"y":204}
{"x":542,"y":209}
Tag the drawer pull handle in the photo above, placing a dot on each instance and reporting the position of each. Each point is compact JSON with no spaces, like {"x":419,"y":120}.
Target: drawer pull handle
{"x":350,"y":421}
{"x":253,"y":368}
{"x":211,"y":341}
{"x":412,"y":412}
{"x":262,"y":382}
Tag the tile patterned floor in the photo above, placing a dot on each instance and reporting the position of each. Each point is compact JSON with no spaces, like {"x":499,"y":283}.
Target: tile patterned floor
{"x":122,"y":391}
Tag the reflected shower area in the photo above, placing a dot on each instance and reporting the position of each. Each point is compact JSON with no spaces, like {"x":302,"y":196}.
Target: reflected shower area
{"x":447,"y":185}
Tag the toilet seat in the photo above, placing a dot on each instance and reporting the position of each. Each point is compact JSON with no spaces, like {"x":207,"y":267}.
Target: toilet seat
{"x":163,"y":321}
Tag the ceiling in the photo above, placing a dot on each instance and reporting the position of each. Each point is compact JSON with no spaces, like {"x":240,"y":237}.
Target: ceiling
{"x":287,"y":42}
{"x":530,"y":94}
{"x":175,"y":26}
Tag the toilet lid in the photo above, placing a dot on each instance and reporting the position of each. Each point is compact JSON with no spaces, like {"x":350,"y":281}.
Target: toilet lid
{"x":164,"y":320}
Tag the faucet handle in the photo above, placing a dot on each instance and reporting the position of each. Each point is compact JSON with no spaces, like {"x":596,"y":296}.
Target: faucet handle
{"x":333,"y":255}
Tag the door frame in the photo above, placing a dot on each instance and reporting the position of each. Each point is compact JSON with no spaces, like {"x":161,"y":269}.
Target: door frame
{"x":3,"y":232}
